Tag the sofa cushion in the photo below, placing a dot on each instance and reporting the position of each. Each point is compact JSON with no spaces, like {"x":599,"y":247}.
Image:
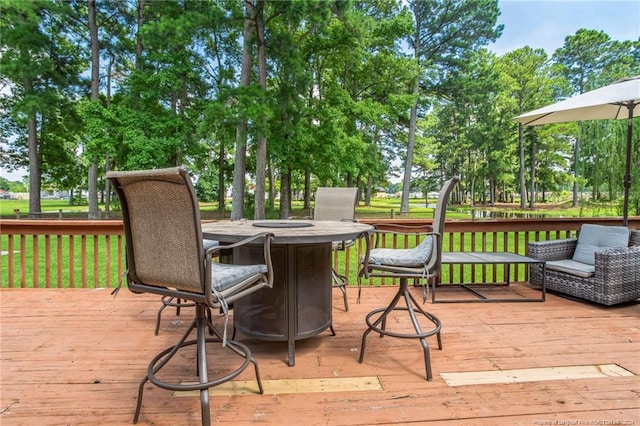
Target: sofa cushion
{"x":414,"y":257}
{"x":593,"y":238}
{"x":572,"y":267}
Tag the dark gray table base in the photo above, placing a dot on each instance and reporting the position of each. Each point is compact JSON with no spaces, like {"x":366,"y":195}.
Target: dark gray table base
{"x":299,"y":304}
{"x":487,"y":258}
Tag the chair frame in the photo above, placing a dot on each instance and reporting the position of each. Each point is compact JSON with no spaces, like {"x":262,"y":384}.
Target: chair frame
{"x":201,"y":293}
{"x":377,"y":319}
{"x":170,"y":301}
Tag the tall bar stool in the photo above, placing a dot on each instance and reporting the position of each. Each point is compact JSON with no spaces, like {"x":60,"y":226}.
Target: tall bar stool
{"x":422,"y":262}
{"x":166,"y":256}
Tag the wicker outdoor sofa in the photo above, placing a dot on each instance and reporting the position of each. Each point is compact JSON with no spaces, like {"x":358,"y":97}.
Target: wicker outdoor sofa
{"x":613,"y":276}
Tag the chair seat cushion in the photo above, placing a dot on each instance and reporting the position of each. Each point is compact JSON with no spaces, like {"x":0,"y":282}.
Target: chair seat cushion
{"x":226,"y":275}
{"x":572,"y":267}
{"x":593,"y":238}
{"x":207,"y":244}
{"x":416,"y":256}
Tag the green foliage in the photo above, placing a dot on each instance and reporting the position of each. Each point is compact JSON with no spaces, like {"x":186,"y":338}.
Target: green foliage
{"x":336,"y":104}
{"x":10,"y":186}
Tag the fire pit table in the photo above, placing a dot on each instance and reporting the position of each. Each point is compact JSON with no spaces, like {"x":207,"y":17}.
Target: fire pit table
{"x":299,"y":304}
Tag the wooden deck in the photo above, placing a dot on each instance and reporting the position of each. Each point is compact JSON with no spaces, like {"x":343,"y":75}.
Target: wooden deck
{"x":75,"y":357}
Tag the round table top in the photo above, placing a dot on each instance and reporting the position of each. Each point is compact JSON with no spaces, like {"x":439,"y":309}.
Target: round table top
{"x":301,"y":231}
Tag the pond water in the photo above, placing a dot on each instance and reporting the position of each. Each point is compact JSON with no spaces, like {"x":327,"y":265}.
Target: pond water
{"x":491,"y":214}
{"x":505,"y":214}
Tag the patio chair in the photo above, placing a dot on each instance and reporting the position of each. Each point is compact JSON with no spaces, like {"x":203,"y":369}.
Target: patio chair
{"x":337,"y":204}
{"x":166,"y":256}
{"x":602,"y":265}
{"x":422,"y":262}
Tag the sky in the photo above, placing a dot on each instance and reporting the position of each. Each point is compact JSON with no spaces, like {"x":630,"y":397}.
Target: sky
{"x":544,"y":24}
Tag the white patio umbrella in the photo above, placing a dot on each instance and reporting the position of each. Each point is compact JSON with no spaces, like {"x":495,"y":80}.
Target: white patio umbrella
{"x":615,"y":101}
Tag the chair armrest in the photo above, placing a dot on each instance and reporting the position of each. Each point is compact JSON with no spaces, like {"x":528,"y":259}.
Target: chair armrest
{"x":621,"y":259}
{"x":395,"y":268}
{"x":552,"y":249}
{"x":267,"y":238}
{"x":398,"y":229}
{"x":634,"y":239}
{"x":617,"y":274}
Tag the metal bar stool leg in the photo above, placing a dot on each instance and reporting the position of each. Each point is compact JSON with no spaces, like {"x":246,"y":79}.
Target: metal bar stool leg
{"x":202,"y":370}
{"x":379,"y":324}
{"x":340,"y":281}
{"x":170,"y":301}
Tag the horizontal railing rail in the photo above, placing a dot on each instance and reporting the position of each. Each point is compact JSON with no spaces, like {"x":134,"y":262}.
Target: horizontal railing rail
{"x":90,"y":253}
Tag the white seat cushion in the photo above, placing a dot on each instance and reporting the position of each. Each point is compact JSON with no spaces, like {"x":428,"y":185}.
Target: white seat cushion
{"x":207,"y":244}
{"x":593,"y":238}
{"x":572,"y":267}
{"x":416,"y":256}
{"x":227,"y":275}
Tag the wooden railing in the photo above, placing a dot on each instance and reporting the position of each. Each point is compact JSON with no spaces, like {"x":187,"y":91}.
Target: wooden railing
{"x":61,"y":253}
{"x":90,"y":253}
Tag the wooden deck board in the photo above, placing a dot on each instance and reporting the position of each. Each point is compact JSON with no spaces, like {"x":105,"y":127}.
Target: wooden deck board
{"x":76,"y":357}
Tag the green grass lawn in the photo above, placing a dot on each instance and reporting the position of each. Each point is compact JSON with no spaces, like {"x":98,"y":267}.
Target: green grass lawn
{"x":8,"y":207}
{"x":379,"y":208}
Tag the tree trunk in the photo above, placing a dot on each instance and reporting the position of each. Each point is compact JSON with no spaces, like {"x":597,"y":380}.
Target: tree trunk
{"x":240,"y":165}
{"x":307,"y":189}
{"x":272,"y":184}
{"x":523,"y":187}
{"x":34,"y":161}
{"x":576,"y":188}
{"x":221,"y":191}
{"x":532,"y":172}
{"x":367,"y":195}
{"x":492,"y":192}
{"x":107,"y":161}
{"x":413,"y":119}
{"x":94,"y":212}
{"x":261,"y":149}
{"x":408,"y":165}
{"x":473,"y":189}
{"x":140,"y":23}
{"x":285,"y":194}
{"x":107,"y":188}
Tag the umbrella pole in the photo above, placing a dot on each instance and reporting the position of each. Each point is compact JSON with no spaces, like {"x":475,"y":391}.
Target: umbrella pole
{"x":627,"y":175}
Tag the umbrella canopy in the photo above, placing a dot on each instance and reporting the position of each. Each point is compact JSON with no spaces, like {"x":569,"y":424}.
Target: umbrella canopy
{"x":615,"y":101}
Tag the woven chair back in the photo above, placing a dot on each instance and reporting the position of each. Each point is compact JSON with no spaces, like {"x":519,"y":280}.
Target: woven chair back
{"x":162,"y":227}
{"x":439,"y":216}
{"x":335,"y":203}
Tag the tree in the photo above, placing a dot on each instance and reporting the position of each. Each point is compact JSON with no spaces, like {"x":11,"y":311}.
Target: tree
{"x":95,"y":97}
{"x":360,"y":94}
{"x":240,"y":168}
{"x":525,"y":73}
{"x":41,"y":67}
{"x":580,"y":60}
{"x":469,"y":125}
{"x":444,"y":31}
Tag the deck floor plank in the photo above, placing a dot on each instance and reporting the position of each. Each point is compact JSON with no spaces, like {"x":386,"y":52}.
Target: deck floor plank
{"x":75,"y":357}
